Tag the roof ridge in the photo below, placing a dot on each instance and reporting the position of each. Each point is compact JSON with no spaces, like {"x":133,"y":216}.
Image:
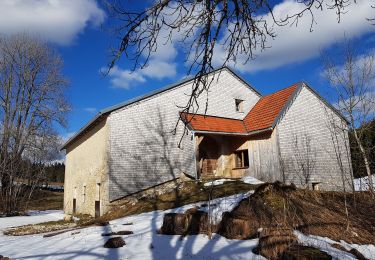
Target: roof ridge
{"x":292,"y":85}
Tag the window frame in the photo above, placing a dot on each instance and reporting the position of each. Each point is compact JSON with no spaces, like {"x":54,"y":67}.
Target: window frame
{"x":238,"y":105}
{"x":244,"y":159}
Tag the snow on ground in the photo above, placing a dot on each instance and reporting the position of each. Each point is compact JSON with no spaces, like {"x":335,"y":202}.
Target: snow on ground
{"x":33,"y":218}
{"x":145,"y":243}
{"x":216,"y":182}
{"x":251,"y":180}
{"x":324,"y":244}
{"x":247,"y":179}
{"x":220,"y":205}
{"x":362,"y":184}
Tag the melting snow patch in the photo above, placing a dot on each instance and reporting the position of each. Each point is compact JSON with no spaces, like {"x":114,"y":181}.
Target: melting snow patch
{"x":221,"y":205}
{"x":216,"y":182}
{"x":251,"y":180}
{"x":324,"y":244}
{"x":362,"y":184}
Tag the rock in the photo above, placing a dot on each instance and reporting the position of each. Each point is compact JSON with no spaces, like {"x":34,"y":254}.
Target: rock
{"x":114,"y":242}
{"x":4,"y":258}
{"x":120,"y":233}
{"x":101,"y":223}
{"x":273,"y":242}
{"x":357,"y":254}
{"x":174,"y":224}
{"x":192,"y":222}
{"x":236,"y":228}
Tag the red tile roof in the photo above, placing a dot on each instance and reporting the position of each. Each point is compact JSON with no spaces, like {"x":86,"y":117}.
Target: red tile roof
{"x":260,"y":117}
{"x":214,"y":124}
{"x":265,"y":111}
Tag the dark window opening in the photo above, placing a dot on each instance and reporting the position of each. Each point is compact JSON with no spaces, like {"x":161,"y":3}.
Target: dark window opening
{"x":239,"y":105}
{"x":242,"y":159}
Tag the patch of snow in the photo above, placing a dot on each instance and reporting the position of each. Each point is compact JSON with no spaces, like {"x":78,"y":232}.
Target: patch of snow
{"x":251,"y":180}
{"x":220,"y":205}
{"x":75,"y":219}
{"x":367,"y":251}
{"x":362,"y":184}
{"x":34,"y":217}
{"x":216,"y":182}
{"x":324,"y":244}
{"x":145,"y":243}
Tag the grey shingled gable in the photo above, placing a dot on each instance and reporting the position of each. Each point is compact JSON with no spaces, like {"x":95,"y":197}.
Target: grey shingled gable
{"x":106,"y":111}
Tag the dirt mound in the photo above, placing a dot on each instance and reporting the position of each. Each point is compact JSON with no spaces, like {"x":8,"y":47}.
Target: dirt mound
{"x":312,"y":212}
{"x":237,"y":227}
{"x":192,"y":222}
{"x":114,"y":242}
{"x":299,"y":252}
{"x":274,"y":242}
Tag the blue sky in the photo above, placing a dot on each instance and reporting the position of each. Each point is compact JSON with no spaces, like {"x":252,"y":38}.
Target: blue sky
{"x":78,"y":29}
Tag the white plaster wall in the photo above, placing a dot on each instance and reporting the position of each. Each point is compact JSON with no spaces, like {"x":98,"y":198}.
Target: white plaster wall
{"x":86,"y":165}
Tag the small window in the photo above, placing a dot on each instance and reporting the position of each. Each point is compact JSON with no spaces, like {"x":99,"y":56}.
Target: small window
{"x":315,"y":186}
{"x":97,"y":192}
{"x":84,"y":193}
{"x":239,"y":105}
{"x":242,"y":159}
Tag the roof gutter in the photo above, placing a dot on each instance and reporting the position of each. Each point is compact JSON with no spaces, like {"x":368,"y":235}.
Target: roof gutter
{"x":234,"y":134}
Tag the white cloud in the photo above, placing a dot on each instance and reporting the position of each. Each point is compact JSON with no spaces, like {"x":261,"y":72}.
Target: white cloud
{"x":296,"y":43}
{"x":156,"y":69}
{"x":57,"y":21}
{"x":91,"y":110}
{"x":162,"y":61}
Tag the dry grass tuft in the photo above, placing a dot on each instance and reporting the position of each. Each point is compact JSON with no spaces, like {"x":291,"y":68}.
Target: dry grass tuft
{"x":40,"y":228}
{"x":312,"y":212}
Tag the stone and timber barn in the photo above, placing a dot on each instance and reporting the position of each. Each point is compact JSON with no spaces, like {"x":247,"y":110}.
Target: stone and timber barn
{"x":287,"y":136}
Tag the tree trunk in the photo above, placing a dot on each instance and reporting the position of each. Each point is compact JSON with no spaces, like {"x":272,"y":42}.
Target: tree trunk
{"x":367,"y":165}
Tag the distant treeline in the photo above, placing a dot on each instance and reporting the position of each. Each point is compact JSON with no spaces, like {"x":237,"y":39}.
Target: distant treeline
{"x":367,"y":132}
{"x":55,"y":172}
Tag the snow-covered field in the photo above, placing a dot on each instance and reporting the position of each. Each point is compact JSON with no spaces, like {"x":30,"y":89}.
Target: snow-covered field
{"x":145,"y":243}
{"x":362,"y":184}
{"x":34,"y":218}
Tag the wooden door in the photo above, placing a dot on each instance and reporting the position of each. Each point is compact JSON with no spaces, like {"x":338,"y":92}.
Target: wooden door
{"x":97,"y":209}
{"x":74,"y":206}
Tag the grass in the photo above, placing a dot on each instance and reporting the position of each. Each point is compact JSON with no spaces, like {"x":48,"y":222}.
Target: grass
{"x":40,"y":228}
{"x":46,"y":200}
{"x":320,"y":213}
